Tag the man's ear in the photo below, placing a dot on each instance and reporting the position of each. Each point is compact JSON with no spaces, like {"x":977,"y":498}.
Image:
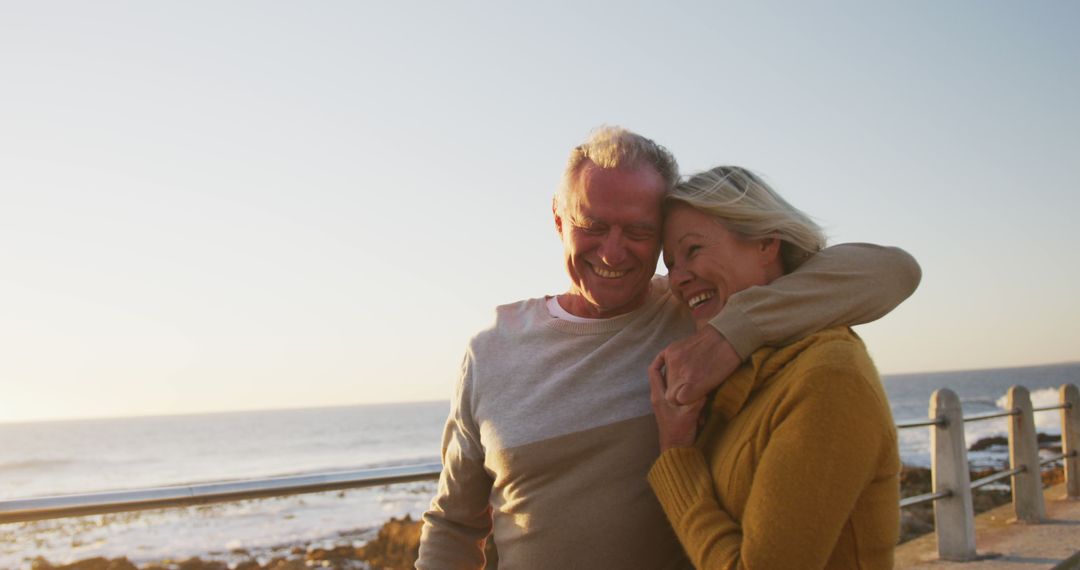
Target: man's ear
{"x":555,"y":212}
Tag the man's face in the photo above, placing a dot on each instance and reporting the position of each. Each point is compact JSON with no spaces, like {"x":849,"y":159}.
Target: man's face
{"x":611,"y":238}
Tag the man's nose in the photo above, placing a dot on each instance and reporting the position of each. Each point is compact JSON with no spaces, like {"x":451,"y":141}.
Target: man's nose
{"x":613,"y":248}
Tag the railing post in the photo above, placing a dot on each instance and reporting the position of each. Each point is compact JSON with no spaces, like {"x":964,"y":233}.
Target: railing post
{"x":954,"y":519}
{"x":1070,"y":438}
{"x":1024,"y":453}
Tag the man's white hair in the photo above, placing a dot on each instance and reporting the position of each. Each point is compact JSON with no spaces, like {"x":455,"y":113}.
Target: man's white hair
{"x":615,"y":147}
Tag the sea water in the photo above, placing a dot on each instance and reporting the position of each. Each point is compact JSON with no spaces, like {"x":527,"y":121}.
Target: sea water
{"x":50,"y":458}
{"x":980,"y":391}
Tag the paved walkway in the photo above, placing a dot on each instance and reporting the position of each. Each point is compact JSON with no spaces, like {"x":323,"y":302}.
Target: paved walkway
{"x":1005,"y":545}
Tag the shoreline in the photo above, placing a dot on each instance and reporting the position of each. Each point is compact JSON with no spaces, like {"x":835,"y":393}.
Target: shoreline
{"x":394,"y":543}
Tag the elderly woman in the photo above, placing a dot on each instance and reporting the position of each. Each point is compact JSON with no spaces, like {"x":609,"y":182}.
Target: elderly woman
{"x":792,"y":462}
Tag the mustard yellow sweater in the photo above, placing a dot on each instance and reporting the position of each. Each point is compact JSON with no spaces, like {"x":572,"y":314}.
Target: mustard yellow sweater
{"x":797,"y":466}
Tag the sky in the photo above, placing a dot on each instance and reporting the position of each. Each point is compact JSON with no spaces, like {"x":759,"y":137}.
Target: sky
{"x":210,"y":206}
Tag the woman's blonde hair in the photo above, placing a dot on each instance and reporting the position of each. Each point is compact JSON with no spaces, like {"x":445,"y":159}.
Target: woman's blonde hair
{"x":746,"y":205}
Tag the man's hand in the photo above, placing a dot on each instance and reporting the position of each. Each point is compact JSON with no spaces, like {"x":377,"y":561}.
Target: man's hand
{"x":678,"y":424}
{"x":695,"y":365}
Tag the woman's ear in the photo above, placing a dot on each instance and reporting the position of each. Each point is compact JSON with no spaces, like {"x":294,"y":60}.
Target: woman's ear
{"x":768,"y":250}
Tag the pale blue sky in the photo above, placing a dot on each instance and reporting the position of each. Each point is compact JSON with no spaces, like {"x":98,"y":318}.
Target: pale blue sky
{"x":211,"y":206}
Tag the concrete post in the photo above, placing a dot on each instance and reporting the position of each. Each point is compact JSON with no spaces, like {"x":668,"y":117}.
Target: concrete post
{"x":954,"y":519}
{"x":1024,"y":452}
{"x":1070,"y":438}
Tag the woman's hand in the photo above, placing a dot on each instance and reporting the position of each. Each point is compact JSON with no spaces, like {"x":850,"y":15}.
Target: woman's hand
{"x":678,"y":423}
{"x":696,"y":365}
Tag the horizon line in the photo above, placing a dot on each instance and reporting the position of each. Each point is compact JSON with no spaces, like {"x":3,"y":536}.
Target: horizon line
{"x":427,"y":401}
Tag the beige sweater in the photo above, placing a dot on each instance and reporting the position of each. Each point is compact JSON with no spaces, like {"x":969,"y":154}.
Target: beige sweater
{"x":550,"y":433}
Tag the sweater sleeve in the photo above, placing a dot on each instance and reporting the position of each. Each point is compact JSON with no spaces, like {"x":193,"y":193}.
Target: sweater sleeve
{"x":710,"y":536}
{"x":846,"y":284}
{"x":825,"y":448}
{"x":459,"y":519}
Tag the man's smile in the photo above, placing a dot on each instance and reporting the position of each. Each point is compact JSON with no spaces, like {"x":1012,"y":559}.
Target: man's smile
{"x":607,"y":273}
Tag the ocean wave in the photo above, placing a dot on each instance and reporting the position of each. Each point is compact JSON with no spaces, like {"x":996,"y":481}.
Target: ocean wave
{"x":915,"y":443}
{"x":1048,"y":422}
{"x":986,"y":402}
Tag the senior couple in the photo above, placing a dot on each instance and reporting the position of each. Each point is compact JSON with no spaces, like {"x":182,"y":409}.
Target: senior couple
{"x":723,"y":416}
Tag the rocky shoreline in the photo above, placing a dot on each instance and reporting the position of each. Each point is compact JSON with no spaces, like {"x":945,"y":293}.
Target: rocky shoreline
{"x":394,"y":548}
{"x":918,"y":520}
{"x":398,"y":540}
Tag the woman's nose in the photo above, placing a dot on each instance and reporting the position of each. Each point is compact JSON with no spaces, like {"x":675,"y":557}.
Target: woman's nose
{"x":678,"y":276}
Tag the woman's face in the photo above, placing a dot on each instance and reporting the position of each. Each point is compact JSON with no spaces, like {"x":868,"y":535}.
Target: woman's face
{"x":707,"y":263}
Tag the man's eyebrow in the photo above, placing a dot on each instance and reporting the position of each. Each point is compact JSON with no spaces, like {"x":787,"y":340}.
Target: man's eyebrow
{"x":642,"y":226}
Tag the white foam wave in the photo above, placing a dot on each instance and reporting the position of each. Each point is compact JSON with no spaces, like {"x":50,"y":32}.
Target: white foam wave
{"x":915,"y":443}
{"x":1048,"y":422}
{"x":261,"y":527}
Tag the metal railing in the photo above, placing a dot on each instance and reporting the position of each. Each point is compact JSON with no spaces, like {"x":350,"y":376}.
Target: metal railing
{"x":954,"y":519}
{"x":24,"y":510}
{"x":951,"y":494}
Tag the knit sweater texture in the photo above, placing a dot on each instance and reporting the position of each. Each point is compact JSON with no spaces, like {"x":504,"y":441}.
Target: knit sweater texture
{"x":551,"y":434}
{"x":796,"y":467}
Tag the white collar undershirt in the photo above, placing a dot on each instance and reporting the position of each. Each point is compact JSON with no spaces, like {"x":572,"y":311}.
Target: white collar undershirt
{"x":557,"y":311}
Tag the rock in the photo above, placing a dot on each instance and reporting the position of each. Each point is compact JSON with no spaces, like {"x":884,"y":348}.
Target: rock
{"x":396,"y":546}
{"x":98,"y":563}
{"x":333,"y":555}
{"x":1053,"y":476}
{"x":999,"y":440}
{"x":40,"y":563}
{"x":1048,"y":438}
{"x":198,"y":564}
{"x":915,"y":481}
{"x":919,"y":519}
{"x":248,"y":565}
{"x":283,"y":564}
{"x":988,"y":442}
{"x":916,"y":521}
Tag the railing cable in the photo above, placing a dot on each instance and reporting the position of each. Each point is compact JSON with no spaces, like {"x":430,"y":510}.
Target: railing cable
{"x":41,"y":508}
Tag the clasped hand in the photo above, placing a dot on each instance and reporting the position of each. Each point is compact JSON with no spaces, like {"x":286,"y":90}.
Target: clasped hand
{"x":679,"y":379}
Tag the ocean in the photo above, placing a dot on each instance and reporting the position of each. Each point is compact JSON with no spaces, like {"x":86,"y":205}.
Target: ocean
{"x":51,"y":458}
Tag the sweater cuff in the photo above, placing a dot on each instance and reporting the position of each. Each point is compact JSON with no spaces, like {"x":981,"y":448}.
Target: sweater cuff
{"x":680,"y":478}
{"x":739,"y":330}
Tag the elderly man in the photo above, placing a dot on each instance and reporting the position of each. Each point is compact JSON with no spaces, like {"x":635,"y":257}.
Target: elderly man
{"x":550,"y":433}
